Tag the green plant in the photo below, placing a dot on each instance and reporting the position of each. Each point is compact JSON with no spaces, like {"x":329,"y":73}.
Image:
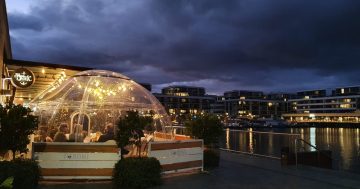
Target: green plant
{"x":7,"y":184}
{"x":211,"y":158}
{"x":16,"y":124}
{"x":207,"y":127}
{"x":141,"y":172}
{"x":26,"y":173}
{"x":130,"y":129}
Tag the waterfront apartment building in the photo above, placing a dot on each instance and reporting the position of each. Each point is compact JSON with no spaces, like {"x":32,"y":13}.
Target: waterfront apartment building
{"x":218,"y":107}
{"x":323,"y":105}
{"x":182,"y":101}
{"x":338,"y":105}
{"x":244,"y":103}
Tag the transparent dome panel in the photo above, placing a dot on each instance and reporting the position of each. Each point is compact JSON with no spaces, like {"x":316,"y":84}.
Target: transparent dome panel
{"x":94,"y":99}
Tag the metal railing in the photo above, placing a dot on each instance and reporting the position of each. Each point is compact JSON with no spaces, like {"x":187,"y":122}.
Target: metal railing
{"x":297,"y":140}
{"x":257,"y":143}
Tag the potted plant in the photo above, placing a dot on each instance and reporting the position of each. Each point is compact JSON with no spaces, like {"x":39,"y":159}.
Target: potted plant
{"x":137,"y":171}
{"x":209,"y":128}
{"x":16,"y":124}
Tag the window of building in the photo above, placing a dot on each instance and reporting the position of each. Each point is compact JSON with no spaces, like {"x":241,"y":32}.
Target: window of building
{"x":345,"y":105}
{"x":181,"y":94}
{"x":342,"y":91}
{"x":347,"y":100}
{"x":241,"y":112}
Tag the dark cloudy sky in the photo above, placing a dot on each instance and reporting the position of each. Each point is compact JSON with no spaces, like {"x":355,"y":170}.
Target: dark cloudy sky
{"x":269,"y":45}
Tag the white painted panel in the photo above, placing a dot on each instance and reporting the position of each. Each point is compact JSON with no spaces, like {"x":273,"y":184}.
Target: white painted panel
{"x":108,"y":143}
{"x":178,"y":152}
{"x":182,"y":170}
{"x":178,"y":141}
{"x":77,"y":164}
{"x":75,"y":156}
{"x":76,"y":177}
{"x":179,"y":159}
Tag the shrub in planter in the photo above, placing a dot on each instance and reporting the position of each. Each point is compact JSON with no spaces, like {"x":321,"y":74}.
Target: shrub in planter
{"x":205,"y":126}
{"x":130,"y":130}
{"x":7,"y":184}
{"x":211,"y":158}
{"x":16,"y":124}
{"x":26,"y":173}
{"x":137,"y":173}
{"x":209,"y":128}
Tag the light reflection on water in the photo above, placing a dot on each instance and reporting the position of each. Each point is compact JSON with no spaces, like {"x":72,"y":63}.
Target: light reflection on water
{"x":343,"y":142}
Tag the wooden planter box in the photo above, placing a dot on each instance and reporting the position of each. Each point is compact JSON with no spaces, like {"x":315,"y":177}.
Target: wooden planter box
{"x":178,"y":156}
{"x":65,"y":160}
{"x":95,"y":161}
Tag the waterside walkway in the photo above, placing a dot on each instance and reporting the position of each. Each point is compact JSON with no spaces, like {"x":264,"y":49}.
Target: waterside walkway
{"x":243,"y":171}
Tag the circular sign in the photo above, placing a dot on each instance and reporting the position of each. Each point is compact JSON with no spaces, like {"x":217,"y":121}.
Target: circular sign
{"x":22,"y":78}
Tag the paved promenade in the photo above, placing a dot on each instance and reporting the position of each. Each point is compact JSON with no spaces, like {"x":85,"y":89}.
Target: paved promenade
{"x":243,"y":171}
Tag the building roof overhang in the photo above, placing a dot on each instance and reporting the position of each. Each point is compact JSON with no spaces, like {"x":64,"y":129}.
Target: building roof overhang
{"x":46,"y":74}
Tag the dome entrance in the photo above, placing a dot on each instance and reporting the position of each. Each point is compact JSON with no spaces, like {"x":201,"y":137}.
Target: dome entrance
{"x":94,"y":99}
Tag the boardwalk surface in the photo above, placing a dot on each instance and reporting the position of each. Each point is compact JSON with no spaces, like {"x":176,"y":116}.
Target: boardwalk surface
{"x":243,"y":171}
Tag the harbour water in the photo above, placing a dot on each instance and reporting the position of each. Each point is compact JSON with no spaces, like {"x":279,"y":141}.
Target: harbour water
{"x":343,"y":142}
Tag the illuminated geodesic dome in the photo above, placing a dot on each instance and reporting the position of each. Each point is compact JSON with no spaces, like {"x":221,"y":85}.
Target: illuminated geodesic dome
{"x":94,"y":99}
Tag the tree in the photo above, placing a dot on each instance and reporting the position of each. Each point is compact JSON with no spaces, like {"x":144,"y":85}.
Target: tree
{"x":16,"y":124}
{"x":205,"y":126}
{"x":130,"y":130}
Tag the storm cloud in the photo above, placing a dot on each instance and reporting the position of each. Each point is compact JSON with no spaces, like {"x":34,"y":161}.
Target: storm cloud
{"x":278,"y":45}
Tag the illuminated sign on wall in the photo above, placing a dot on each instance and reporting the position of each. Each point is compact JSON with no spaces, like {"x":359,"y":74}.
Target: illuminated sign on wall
{"x":22,"y":78}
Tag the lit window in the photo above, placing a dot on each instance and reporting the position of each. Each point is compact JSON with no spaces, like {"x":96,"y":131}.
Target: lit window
{"x":270,"y":104}
{"x":181,"y":94}
{"x":306,"y":97}
{"x":242,"y":98}
{"x":241,"y":112}
{"x":342,"y":91}
{"x":345,"y":106}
